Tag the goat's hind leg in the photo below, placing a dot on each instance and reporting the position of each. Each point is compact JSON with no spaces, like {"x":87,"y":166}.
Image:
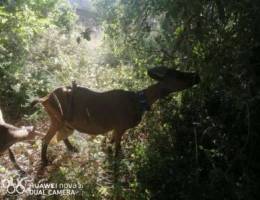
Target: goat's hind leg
{"x":12,"y":158}
{"x":46,"y":140}
{"x":70,"y":146}
{"x":63,"y":134}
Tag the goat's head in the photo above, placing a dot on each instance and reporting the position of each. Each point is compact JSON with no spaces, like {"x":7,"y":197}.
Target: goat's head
{"x":172,"y":80}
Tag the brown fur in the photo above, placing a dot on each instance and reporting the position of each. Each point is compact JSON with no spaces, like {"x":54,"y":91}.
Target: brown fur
{"x":95,"y":113}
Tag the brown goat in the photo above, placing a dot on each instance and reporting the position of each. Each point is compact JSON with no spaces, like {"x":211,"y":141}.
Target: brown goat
{"x":78,"y":108}
{"x":10,"y":135}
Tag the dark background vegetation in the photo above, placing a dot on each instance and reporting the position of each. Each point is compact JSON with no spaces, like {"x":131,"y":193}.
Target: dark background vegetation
{"x":198,"y":144}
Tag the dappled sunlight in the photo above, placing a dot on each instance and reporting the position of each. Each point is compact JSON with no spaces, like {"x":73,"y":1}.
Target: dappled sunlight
{"x":198,"y":143}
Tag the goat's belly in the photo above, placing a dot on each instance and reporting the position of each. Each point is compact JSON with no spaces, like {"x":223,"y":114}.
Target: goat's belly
{"x":90,"y":129}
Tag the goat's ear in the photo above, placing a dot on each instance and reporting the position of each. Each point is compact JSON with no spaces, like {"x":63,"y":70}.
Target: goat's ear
{"x":158,"y":73}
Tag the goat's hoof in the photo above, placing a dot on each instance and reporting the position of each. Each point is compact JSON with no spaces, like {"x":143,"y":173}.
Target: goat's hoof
{"x":74,"y":150}
{"x":22,"y":173}
{"x":109,"y":150}
{"x":119,"y":155}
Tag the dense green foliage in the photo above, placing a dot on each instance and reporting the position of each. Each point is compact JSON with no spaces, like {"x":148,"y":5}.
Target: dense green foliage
{"x":20,"y":24}
{"x":197,"y":144}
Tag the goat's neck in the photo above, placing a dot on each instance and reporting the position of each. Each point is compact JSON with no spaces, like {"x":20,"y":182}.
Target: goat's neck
{"x":155,"y":92}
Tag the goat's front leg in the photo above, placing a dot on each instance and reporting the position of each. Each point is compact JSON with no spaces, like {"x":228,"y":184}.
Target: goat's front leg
{"x":46,"y":140}
{"x":12,"y":158}
{"x":70,"y":146}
